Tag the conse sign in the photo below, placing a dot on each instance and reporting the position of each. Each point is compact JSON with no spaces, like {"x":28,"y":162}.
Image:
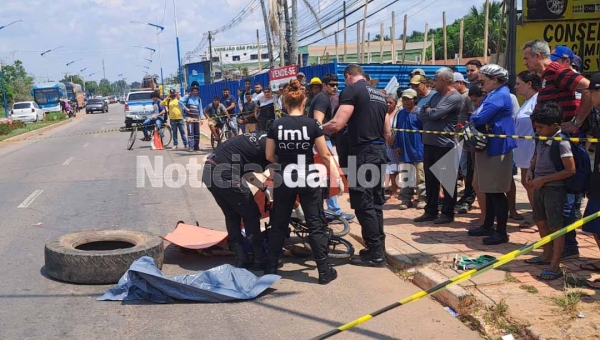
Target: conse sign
{"x":582,"y":36}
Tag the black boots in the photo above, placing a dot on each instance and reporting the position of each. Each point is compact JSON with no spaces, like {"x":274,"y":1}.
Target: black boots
{"x":326,"y":272}
{"x":241,"y":258}
{"x":271,"y":265}
{"x":260,"y":258}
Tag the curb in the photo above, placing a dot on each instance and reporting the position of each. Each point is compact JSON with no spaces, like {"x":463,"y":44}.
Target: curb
{"x":455,"y":297}
{"x":26,"y":135}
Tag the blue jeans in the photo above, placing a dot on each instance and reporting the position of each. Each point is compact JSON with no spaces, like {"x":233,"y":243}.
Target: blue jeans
{"x":151,"y":121}
{"x":178,"y":125}
{"x":332,"y":202}
{"x":571,"y":213}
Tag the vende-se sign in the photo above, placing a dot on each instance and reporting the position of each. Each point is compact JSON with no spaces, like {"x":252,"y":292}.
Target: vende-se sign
{"x":286,"y":72}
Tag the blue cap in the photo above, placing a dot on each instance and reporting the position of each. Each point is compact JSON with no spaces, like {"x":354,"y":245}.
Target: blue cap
{"x":562,"y":52}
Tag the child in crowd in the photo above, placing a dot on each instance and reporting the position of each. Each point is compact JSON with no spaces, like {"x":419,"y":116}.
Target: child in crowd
{"x":548,"y":183}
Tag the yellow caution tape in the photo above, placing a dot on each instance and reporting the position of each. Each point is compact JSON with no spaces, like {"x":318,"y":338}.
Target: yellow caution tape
{"x":559,"y":139}
{"x":504,"y":259}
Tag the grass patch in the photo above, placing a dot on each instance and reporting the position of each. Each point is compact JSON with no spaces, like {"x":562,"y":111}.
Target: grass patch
{"x":569,"y":301}
{"x":510,"y":278}
{"x":19,"y":128}
{"x":498,"y":317}
{"x":575,"y":281}
{"x":529,"y":289}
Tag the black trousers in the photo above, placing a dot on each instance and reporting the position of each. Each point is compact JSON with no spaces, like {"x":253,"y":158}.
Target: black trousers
{"x":469,"y":195}
{"x":432,"y":154}
{"x":367,"y":200}
{"x":342,"y":144}
{"x":496,"y":208}
{"x":311,"y":200}
{"x":237,"y":203}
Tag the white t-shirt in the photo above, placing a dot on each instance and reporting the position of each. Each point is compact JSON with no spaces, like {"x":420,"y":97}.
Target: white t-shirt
{"x":524,"y":127}
{"x":515,"y":104}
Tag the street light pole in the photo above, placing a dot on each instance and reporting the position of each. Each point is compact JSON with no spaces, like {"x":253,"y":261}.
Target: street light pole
{"x":178,"y":51}
{"x":4,"y":98}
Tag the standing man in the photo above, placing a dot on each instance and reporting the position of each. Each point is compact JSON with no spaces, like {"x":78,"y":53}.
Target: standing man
{"x":176,"y":116}
{"x":191,"y":105}
{"x":242,"y":93}
{"x":229,"y":102}
{"x":363,"y":108}
{"x":439,"y":114}
{"x":473,"y":67}
{"x":320,"y":109}
{"x":424,"y":93}
{"x":559,"y":83}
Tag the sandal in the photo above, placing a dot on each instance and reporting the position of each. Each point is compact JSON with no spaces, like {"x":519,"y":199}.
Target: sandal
{"x":590,"y":266}
{"x":549,"y":275}
{"x":593,"y":283}
{"x":537,"y":260}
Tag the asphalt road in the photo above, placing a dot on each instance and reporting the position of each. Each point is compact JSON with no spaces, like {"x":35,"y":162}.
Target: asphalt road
{"x":89,"y":181}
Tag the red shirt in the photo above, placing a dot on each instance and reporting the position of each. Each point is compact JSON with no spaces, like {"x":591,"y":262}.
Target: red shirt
{"x":558,"y":85}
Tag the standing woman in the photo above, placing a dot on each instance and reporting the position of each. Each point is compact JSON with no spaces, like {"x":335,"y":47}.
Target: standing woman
{"x":493,"y":165}
{"x":290,"y":143}
{"x":393,"y":157}
{"x":527,"y":85}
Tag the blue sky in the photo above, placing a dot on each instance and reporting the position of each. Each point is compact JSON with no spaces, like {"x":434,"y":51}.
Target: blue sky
{"x":91,"y":31}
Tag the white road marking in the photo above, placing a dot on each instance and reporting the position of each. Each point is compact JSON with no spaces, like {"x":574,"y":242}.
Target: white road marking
{"x":86,"y":145}
{"x":27,"y":202}
{"x":68,"y":161}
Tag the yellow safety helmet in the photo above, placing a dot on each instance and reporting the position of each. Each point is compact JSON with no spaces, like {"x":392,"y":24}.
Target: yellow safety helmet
{"x":316,"y":81}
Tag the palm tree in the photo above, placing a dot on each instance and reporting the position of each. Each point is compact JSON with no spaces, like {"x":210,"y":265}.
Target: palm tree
{"x":475,"y":26}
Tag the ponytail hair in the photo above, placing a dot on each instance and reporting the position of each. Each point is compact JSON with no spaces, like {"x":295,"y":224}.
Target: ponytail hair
{"x":295,"y":97}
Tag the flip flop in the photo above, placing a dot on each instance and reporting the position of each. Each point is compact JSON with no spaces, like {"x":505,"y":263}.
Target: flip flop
{"x":593,"y":283}
{"x":537,"y":260}
{"x":550,"y":274}
{"x":590,"y":266}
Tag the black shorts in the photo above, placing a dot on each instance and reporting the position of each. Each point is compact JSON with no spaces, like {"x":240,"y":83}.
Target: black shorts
{"x":548,"y":203}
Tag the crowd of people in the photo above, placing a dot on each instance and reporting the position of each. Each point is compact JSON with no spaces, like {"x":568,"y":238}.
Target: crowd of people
{"x":364,"y":126}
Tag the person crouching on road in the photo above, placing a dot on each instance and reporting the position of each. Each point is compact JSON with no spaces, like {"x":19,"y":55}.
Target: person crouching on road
{"x":176,"y":116}
{"x":236,"y":159}
{"x":158,"y":114}
{"x":191,"y":105}
{"x":290,"y":143}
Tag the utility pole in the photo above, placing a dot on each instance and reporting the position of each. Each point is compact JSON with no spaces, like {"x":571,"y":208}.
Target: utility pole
{"x":258,"y":44}
{"x":358,"y":42}
{"x":461,"y":40}
{"x":425,"y":45}
{"x":288,"y":30}
{"x":404,"y":39}
{"x":103,"y":70}
{"x":345,"y":36}
{"x":210,"y":57}
{"x":445,"y":39}
{"x":268,"y":32}
{"x":294,"y":52}
{"x":364,"y":27}
{"x":512,"y":42}
{"x":368,"y":47}
{"x":433,"y":49}
{"x":281,"y":37}
{"x":381,"y":33}
{"x":393,"y":34}
{"x":485,"y":32}
{"x":337,"y":55}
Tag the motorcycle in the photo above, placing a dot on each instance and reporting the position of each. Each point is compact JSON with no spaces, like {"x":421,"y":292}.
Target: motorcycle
{"x":71,"y":111}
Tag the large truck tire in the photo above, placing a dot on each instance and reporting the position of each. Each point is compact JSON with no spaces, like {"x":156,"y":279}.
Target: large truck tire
{"x":99,"y":256}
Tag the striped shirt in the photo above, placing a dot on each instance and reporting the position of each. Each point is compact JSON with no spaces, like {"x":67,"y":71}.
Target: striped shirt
{"x":558,"y":85}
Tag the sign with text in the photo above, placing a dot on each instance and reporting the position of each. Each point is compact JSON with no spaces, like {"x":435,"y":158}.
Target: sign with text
{"x":536,"y":10}
{"x":582,"y":36}
{"x":283,"y":74}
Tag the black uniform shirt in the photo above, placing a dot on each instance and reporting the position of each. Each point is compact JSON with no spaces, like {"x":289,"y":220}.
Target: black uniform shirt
{"x":243,"y":150}
{"x":295,"y":136}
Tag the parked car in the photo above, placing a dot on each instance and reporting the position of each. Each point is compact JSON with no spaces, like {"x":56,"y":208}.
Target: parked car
{"x":138,"y":107}
{"x":27,"y":112}
{"x":94,"y":105}
{"x":111,"y":100}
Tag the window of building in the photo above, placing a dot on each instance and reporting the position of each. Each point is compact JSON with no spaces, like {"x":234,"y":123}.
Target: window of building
{"x":264,"y":56}
{"x":227,"y":55}
{"x":236,"y":58}
{"x":215,"y":59}
{"x":254,"y":57}
{"x":244,"y":53}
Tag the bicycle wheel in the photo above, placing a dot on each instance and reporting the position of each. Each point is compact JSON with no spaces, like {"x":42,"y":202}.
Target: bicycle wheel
{"x":132,"y":137}
{"x":337,"y":224}
{"x":167,"y":135}
{"x":340,"y":248}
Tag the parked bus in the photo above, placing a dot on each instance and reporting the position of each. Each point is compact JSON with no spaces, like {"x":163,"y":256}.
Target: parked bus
{"x":48,"y":95}
{"x":75,"y":93}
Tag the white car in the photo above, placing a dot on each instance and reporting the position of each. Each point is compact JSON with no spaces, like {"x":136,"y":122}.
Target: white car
{"x":27,"y":112}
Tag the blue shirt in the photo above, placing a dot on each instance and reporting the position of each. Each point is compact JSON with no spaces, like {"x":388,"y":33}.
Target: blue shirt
{"x":421,"y":101}
{"x":227,"y":101}
{"x":496,"y":112}
{"x":410,"y":143}
{"x":189,"y":99}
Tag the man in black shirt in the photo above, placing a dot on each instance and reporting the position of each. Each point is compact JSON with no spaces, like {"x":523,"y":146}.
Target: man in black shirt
{"x":321,"y":109}
{"x":223,"y":171}
{"x":363,"y":108}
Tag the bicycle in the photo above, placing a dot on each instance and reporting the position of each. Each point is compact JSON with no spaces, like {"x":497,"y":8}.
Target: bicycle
{"x":223,"y":131}
{"x":165,"y":132}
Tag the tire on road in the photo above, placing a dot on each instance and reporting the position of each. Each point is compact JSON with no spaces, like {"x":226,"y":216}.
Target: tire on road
{"x":99,"y":256}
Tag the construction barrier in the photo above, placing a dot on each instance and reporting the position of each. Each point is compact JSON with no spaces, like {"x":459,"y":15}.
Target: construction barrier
{"x":500,"y":261}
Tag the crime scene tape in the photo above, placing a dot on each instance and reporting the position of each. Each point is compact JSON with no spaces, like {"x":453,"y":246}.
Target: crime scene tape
{"x":500,"y":261}
{"x":558,"y":139}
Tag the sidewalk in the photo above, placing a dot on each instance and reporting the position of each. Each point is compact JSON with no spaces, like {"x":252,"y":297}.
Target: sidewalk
{"x":424,"y":252}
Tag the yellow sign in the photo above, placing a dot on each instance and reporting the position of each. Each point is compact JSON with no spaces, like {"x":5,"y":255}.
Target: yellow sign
{"x":542,"y":10}
{"x":582,"y":36}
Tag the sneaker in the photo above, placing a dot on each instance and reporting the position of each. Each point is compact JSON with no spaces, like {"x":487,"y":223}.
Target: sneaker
{"x":421,"y":205}
{"x":481,"y":231}
{"x":402,"y":206}
{"x":495,"y":239}
{"x":443,"y":219}
{"x":462,"y":208}
{"x":368,"y":261}
{"x":570,"y":254}
{"x":425,"y":218}
{"x":174,"y":147}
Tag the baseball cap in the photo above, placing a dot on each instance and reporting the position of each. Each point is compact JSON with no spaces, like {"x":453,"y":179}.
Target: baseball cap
{"x":577,"y":63}
{"x":459,"y":77}
{"x":417,"y":71}
{"x":172,"y":91}
{"x":418,"y":79}
{"x":301,"y":74}
{"x":594,"y":83}
{"x":409,"y":93}
{"x":562,"y":52}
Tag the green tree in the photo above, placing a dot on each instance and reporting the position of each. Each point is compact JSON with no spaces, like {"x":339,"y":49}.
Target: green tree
{"x":72,"y":78}
{"x":104,"y":88}
{"x":91,"y":87}
{"x":136,"y":85}
{"x":17,"y":82}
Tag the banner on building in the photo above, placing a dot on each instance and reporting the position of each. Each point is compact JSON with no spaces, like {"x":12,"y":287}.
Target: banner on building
{"x":283,"y":74}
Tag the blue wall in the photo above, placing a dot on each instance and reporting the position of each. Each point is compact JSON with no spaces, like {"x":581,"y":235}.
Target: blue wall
{"x":382,"y":72}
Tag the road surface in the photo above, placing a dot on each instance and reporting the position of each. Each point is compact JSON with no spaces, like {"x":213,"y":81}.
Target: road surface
{"x":55,"y":186}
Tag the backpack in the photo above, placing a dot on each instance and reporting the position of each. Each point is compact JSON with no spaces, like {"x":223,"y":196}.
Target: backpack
{"x":580,"y":182}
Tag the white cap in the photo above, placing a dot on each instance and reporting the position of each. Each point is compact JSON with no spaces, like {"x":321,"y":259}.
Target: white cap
{"x":459,"y":77}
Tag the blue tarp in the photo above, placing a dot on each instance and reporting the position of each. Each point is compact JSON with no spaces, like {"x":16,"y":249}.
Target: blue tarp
{"x":144,"y":281}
